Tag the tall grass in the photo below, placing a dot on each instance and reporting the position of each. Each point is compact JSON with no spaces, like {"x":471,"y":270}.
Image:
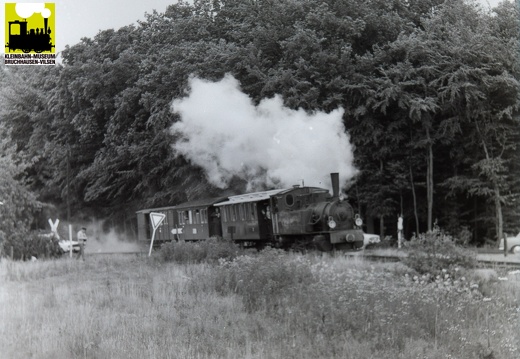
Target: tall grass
{"x":257,"y":305}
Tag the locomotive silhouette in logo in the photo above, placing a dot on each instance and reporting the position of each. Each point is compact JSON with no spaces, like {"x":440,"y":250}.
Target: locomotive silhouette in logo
{"x":37,"y":40}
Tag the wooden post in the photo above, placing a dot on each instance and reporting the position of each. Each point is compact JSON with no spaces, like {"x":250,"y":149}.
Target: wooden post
{"x":505,"y":244}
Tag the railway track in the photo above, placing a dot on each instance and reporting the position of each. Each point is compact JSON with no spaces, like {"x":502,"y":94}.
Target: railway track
{"x":491,"y":260}
{"x":488,"y":259}
{"x":498,"y":264}
{"x":135,"y":253}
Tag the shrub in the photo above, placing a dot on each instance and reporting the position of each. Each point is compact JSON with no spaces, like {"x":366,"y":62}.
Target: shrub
{"x":434,"y":252}
{"x":210,"y":250}
{"x":263,"y":279}
{"x":463,"y":236}
{"x":31,"y":244}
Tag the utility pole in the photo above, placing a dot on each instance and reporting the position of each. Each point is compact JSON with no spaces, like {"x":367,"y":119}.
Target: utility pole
{"x":68,"y":201}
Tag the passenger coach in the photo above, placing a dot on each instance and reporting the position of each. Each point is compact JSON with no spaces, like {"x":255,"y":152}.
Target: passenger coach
{"x":167,"y":230}
{"x":199,"y":220}
{"x":247,"y":218}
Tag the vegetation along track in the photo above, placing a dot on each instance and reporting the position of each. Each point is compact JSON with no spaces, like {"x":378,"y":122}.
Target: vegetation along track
{"x":493,"y":261}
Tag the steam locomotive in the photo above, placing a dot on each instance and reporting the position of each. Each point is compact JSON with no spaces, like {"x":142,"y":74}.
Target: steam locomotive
{"x":299,"y":216}
{"x":20,"y":38}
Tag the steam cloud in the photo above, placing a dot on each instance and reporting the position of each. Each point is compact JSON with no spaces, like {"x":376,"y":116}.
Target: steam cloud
{"x":103,"y":241}
{"x":268,"y":145}
{"x":26,"y":10}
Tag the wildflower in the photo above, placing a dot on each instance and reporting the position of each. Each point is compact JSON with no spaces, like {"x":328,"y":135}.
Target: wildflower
{"x":486,"y":299}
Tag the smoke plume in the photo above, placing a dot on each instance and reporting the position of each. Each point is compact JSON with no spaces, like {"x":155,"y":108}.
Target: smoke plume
{"x":26,"y":10}
{"x":108,"y":240}
{"x":267,"y":145}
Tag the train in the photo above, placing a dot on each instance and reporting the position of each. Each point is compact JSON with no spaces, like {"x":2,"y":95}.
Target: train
{"x":37,"y":40}
{"x":295,"y":217}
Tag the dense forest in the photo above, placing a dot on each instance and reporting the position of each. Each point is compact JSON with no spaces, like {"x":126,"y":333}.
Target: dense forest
{"x":429,"y":92}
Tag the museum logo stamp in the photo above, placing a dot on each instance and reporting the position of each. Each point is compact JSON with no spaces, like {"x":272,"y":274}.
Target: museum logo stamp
{"x":30,"y":33}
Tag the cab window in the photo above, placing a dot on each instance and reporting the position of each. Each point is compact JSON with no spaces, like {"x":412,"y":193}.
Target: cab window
{"x":289,"y":200}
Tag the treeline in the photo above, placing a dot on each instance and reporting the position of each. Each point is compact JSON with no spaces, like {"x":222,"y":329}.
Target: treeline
{"x":430,"y":91}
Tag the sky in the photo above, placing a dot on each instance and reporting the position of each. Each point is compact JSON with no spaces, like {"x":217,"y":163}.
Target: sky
{"x":79,"y":18}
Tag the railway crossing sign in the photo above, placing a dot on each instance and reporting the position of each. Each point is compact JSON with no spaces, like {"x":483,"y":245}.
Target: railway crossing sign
{"x":155,"y":220}
{"x":54,"y":226}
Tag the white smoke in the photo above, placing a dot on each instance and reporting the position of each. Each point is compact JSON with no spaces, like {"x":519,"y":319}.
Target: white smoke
{"x":268,"y":145}
{"x":101,"y":240}
{"x":26,"y":10}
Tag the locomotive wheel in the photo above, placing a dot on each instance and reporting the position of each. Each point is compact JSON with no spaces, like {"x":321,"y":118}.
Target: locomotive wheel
{"x":26,"y":50}
{"x":284,"y":243}
{"x":38,"y":51}
{"x":322,"y":243}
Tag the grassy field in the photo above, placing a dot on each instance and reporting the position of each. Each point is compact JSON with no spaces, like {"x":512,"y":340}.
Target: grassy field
{"x":256,"y":305}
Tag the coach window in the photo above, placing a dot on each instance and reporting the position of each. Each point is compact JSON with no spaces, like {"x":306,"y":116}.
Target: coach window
{"x":197,"y":217}
{"x":242,"y":211}
{"x":204,"y":215}
{"x":247,"y":209}
{"x":238,"y":209}
{"x":233,"y":213}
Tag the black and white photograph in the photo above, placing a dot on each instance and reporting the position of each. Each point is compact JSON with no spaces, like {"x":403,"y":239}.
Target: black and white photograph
{"x":260,"y":179}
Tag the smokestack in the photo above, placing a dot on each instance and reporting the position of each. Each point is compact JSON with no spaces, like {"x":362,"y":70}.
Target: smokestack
{"x":45,"y":25}
{"x":334,"y":177}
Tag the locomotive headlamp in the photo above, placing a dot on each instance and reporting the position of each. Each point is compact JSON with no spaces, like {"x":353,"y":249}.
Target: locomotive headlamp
{"x":359,"y":221}
{"x":341,"y":197}
{"x":331,"y":222}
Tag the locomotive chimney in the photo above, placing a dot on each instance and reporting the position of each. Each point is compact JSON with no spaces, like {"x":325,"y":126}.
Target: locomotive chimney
{"x":45,"y":25}
{"x":334,"y":177}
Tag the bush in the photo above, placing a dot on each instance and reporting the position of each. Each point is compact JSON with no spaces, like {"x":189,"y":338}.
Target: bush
{"x":433,"y":252}
{"x":31,"y":244}
{"x":263,"y":279}
{"x":210,"y":250}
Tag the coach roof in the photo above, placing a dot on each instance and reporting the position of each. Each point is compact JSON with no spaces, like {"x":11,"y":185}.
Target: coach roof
{"x":200,"y":203}
{"x":250,"y":197}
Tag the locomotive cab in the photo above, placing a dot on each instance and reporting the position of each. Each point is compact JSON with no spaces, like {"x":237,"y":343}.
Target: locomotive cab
{"x":291,"y":213}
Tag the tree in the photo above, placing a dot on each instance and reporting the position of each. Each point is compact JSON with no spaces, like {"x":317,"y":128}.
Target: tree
{"x":444,"y":78}
{"x":486,"y":91}
{"x":18,"y":204}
